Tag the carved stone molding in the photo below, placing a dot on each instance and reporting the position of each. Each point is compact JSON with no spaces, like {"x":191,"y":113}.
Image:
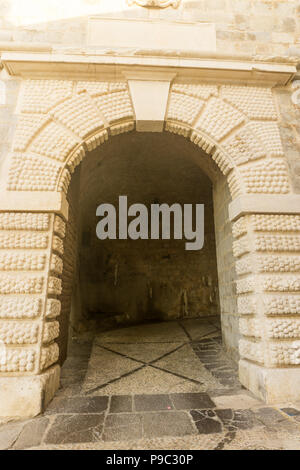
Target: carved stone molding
{"x":155,"y":3}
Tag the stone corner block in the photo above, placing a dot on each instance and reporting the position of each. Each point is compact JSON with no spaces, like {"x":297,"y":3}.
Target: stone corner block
{"x":270,"y":385}
{"x":27,"y":397}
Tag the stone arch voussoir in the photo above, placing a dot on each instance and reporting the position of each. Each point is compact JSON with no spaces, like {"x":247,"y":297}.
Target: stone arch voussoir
{"x":61,"y":121}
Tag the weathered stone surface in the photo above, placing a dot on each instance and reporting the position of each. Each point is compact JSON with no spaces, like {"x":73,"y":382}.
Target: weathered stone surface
{"x":75,"y":428}
{"x":9,"y":435}
{"x":187,"y":401}
{"x":240,"y":109}
{"x":167,"y":424}
{"x":120,"y":404}
{"x":152,"y":402}
{"x":78,"y":405}
{"x":32,"y":434}
{"x":26,"y":397}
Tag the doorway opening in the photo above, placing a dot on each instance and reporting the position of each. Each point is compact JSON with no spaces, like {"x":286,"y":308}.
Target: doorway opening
{"x":148,"y":293}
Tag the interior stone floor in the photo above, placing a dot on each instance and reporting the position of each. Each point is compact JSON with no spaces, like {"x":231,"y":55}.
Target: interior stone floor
{"x":157,"y":386}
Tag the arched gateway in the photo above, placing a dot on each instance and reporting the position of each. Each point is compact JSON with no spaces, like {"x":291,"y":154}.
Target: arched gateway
{"x":236,"y":124}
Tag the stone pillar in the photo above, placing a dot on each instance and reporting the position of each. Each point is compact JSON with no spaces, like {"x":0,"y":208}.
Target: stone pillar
{"x":31,"y":247}
{"x":267,"y":249}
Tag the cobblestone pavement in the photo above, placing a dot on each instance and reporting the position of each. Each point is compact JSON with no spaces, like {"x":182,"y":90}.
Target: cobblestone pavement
{"x":158,"y":386}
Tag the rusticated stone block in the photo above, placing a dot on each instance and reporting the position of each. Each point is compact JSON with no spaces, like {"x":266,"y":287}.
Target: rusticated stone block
{"x":22,"y":262}
{"x":22,"y":285}
{"x":59,"y":226}
{"x":282,"y":305}
{"x":53,"y":308}
{"x":49,"y":355}
{"x":255,"y":102}
{"x":24,"y":221}
{"x":275,"y":223}
{"x":18,"y":332}
{"x":55,"y":286}
{"x":17,"y":360}
{"x":219,"y":118}
{"x":51,"y":331}
{"x":28,"y":240}
{"x":40,"y":96}
{"x":184,"y":108}
{"x":19,"y":308}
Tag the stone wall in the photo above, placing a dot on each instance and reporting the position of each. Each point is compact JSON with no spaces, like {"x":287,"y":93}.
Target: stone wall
{"x":9,"y":92}
{"x":237,"y":117}
{"x":263,"y":27}
{"x":289,"y":125}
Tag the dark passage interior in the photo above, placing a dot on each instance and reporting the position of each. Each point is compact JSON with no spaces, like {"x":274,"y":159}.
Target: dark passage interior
{"x":124,"y":282}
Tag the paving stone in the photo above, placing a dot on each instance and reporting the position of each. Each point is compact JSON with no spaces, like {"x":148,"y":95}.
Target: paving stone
{"x":236,"y":401}
{"x":125,"y":433}
{"x":209,"y":426}
{"x":237,"y":419}
{"x":225,"y":411}
{"x":68,"y":429}
{"x":213,"y":365}
{"x":123,"y":427}
{"x":274,"y":420}
{"x":270,"y":417}
{"x":206,"y":341}
{"x":69,"y":380}
{"x":152,"y":402}
{"x":229,"y":383}
{"x":117,"y":420}
{"x":291,"y":411}
{"x":206,"y":421}
{"x":32,"y":434}
{"x":9,"y":434}
{"x":207,"y":357}
{"x":175,"y":423}
{"x":222,"y":375}
{"x":120,"y":404}
{"x":66,"y":391}
{"x":189,"y":401}
{"x":78,"y":405}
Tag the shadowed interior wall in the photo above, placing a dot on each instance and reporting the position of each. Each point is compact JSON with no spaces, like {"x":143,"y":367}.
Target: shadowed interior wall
{"x":68,"y":277}
{"x":226,"y":268}
{"x":127,"y":281}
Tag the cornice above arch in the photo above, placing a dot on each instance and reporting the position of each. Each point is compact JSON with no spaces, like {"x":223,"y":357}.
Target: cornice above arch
{"x":89,"y":65}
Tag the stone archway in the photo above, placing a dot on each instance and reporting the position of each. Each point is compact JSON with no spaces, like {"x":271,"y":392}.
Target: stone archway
{"x":59,"y":123}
